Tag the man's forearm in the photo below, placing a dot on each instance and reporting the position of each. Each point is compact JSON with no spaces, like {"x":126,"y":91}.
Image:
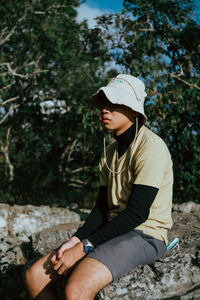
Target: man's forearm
{"x":96,"y":218}
{"x":69,"y":258}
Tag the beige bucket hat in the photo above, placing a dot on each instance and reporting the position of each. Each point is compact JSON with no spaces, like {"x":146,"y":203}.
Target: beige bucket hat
{"x":124,"y":89}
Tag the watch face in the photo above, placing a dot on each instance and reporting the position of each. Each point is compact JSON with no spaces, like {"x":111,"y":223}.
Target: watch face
{"x":88,"y":249}
{"x":87,"y":246}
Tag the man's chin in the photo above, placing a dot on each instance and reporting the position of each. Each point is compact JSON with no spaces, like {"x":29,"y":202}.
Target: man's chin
{"x":107,"y":126}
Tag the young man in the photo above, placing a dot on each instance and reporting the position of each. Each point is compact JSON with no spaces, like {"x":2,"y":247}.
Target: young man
{"x":129,"y":223}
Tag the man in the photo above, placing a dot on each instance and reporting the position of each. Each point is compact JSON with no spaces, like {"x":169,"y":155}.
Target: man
{"x":129,"y":222}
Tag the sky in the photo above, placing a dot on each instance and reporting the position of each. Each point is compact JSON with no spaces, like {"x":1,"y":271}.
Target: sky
{"x":93,"y":8}
{"x":115,"y":6}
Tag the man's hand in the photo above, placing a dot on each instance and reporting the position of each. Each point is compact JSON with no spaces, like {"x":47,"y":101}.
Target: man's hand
{"x":69,"y":258}
{"x":69,"y":244}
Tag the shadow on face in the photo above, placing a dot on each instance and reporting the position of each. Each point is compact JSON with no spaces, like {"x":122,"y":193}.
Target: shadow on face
{"x":104,"y":103}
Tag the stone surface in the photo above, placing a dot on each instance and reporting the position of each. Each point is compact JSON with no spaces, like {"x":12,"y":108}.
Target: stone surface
{"x":20,"y":224}
{"x":175,"y":276}
{"x":171,"y":276}
{"x":10,"y":252}
{"x":51,"y":238}
{"x":23,"y":221}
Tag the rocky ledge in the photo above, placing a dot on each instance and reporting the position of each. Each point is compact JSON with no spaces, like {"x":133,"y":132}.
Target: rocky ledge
{"x":175,"y":276}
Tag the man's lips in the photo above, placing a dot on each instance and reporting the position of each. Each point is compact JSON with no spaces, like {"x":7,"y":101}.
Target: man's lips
{"x":106,"y":120}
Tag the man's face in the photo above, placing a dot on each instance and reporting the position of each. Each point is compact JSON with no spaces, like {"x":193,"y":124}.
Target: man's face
{"x":116,"y":117}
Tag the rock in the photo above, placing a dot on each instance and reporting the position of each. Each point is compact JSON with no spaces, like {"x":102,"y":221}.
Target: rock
{"x":10,"y":252}
{"x":186,"y":207}
{"x":4,"y":217}
{"x":175,"y":276}
{"x":51,"y":238}
{"x":170,"y":276}
{"x":23,"y":221}
{"x":193,"y":294}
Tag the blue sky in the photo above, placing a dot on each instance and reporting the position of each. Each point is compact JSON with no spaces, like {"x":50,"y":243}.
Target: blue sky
{"x":115,"y":6}
{"x":93,"y":8}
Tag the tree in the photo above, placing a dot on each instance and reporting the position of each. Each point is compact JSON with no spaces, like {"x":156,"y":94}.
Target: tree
{"x":49,"y":65}
{"x":158,"y":40}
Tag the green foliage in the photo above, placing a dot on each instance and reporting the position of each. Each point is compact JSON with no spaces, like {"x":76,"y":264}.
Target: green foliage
{"x":47,"y":58}
{"x":50,"y":139}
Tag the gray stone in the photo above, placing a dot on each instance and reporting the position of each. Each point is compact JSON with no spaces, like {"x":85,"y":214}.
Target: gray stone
{"x":51,"y":238}
{"x":10,"y":252}
{"x":23,"y":221}
{"x":187,"y":207}
{"x":171,"y":276}
{"x":175,"y":276}
{"x":193,"y":294}
{"x":3,"y":219}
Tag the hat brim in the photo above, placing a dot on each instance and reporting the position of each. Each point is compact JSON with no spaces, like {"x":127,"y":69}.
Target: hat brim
{"x":121,"y":97}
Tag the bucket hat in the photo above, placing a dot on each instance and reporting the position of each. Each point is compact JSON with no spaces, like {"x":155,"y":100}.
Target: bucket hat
{"x":126,"y":90}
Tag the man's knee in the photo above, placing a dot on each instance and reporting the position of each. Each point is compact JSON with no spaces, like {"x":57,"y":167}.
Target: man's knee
{"x":75,"y":291}
{"x":72,"y":291}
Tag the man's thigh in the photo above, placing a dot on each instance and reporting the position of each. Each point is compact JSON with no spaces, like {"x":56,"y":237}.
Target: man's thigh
{"x":88,"y":278}
{"x":41,"y":274}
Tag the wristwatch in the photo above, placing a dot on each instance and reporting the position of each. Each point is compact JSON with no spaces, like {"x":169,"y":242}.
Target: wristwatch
{"x":87,"y":246}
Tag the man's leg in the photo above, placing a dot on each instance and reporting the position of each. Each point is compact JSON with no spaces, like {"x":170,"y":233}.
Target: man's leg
{"x":88,"y":278}
{"x":39,"y":278}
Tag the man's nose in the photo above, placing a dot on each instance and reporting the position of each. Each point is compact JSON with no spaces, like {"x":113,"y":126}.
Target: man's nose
{"x":105,"y":109}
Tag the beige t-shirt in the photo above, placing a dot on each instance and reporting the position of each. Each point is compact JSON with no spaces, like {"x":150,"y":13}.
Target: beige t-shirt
{"x":147,"y":161}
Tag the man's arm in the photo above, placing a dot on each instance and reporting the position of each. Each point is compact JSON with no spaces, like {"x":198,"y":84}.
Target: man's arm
{"x":72,"y":250}
{"x":136,"y":213}
{"x":68,"y":259}
{"x":97,"y":217}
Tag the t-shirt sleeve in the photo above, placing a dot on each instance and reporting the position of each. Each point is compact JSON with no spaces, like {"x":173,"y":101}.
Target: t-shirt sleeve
{"x":151,"y":164}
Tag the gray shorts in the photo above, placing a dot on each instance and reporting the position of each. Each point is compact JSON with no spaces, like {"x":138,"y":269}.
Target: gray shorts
{"x":127,"y":251}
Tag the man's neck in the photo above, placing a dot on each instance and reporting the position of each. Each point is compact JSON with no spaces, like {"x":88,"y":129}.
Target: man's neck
{"x":126,"y":138}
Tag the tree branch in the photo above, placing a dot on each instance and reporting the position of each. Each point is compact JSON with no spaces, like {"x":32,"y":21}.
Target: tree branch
{"x":184,"y":81}
{"x":79,"y":169}
{"x":77,"y":181}
{"x":49,"y":9}
{"x":9,"y":100}
{"x":69,"y":158}
{"x":3,"y":40}
{"x":5,"y":150}
{"x":177,"y":76}
{"x":14,"y":73}
{"x":7,"y":86}
{"x":149,"y":24}
{"x":13,"y":106}
{"x":75,"y":185}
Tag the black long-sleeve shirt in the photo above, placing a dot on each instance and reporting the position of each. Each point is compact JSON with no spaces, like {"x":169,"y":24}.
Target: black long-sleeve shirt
{"x":97,"y":228}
